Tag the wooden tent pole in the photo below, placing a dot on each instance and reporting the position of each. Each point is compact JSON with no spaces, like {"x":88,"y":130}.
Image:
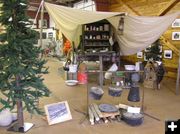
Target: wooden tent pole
{"x":41,"y":27}
{"x":178,"y":76}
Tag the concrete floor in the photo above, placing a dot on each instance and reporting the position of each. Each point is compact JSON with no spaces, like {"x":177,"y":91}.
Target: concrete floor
{"x":162,"y":104}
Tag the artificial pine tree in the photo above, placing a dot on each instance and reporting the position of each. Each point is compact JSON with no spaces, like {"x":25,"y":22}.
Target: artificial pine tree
{"x":154,"y":52}
{"x":21,"y":69}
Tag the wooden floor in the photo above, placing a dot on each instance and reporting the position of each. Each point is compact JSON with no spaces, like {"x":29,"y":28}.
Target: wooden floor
{"x":159,"y":105}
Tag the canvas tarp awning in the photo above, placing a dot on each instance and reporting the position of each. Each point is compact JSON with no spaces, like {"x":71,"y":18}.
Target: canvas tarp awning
{"x":139,"y":31}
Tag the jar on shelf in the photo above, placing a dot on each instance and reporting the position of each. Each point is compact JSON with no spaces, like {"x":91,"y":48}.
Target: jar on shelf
{"x":85,"y":27}
{"x":106,"y":27}
{"x":86,"y":37}
{"x":101,"y":28}
{"x":98,"y":37}
{"x":94,"y":28}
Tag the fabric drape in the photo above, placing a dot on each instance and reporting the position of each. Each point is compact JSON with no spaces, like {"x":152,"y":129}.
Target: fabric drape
{"x":139,"y":31}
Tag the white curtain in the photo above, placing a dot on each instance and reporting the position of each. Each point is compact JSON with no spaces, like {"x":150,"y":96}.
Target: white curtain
{"x":139,"y":32}
{"x":70,"y":20}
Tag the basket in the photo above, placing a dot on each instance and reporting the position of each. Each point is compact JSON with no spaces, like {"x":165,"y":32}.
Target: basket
{"x":149,"y":83}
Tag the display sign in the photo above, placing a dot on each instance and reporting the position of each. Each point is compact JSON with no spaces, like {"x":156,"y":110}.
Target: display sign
{"x":58,"y":112}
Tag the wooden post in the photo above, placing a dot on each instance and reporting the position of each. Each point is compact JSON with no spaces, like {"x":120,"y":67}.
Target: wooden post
{"x":41,"y":28}
{"x":19,"y":106}
{"x":20,"y":114}
{"x":91,"y":116}
{"x":97,"y":118}
{"x":178,"y":76}
{"x":101,"y":71}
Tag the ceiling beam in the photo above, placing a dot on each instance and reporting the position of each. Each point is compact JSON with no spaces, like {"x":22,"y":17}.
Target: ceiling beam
{"x":130,"y":8}
{"x":168,"y":7}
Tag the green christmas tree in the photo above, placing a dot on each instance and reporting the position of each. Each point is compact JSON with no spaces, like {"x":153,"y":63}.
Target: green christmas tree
{"x":21,"y":69}
{"x":155,"y":51}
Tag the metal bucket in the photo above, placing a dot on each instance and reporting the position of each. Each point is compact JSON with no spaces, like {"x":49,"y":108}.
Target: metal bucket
{"x":70,"y":76}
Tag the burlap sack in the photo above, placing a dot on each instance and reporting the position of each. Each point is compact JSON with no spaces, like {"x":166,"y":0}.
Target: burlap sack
{"x":149,"y":83}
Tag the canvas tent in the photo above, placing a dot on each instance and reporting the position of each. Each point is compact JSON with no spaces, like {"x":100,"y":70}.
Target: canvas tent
{"x":139,"y":31}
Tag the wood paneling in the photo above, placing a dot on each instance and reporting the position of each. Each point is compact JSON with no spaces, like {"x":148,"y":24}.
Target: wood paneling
{"x":168,"y":7}
{"x":154,"y":8}
{"x":147,"y":7}
{"x":102,"y":5}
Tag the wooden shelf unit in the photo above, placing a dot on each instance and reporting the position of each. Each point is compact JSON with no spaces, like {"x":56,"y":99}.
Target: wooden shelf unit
{"x":96,"y":35}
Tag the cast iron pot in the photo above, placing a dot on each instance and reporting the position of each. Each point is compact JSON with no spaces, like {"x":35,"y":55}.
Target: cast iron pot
{"x":133,"y":119}
{"x":115,"y":91}
{"x":96,"y":93}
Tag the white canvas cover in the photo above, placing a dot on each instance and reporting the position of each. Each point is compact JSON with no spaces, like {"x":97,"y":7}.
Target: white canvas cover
{"x":139,"y":31}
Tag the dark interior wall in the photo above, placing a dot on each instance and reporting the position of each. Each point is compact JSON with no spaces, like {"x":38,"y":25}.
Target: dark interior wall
{"x":102,"y":5}
{"x":32,"y":15}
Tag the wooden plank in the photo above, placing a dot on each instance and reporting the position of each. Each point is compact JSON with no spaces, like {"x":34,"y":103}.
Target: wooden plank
{"x":170,"y":69}
{"x":178,"y":78}
{"x":99,"y":113}
{"x":168,"y":7}
{"x":110,"y":114}
{"x":97,"y":110}
{"x":94,"y":113}
{"x":129,"y":7}
{"x":122,"y":106}
{"x":91,"y":116}
{"x":115,"y":6}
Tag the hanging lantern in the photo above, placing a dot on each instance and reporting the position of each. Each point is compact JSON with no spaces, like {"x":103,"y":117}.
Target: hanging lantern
{"x":134,"y":94}
{"x":121,"y":25}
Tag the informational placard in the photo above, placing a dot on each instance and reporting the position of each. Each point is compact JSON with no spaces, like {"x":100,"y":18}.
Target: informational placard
{"x":58,"y":112}
{"x":134,"y":109}
{"x":176,"y":23}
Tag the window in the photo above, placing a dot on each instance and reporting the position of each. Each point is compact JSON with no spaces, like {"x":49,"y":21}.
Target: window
{"x":85,"y":5}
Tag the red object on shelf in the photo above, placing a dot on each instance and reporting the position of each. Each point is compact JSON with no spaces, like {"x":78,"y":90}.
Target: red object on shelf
{"x":82,"y":77}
